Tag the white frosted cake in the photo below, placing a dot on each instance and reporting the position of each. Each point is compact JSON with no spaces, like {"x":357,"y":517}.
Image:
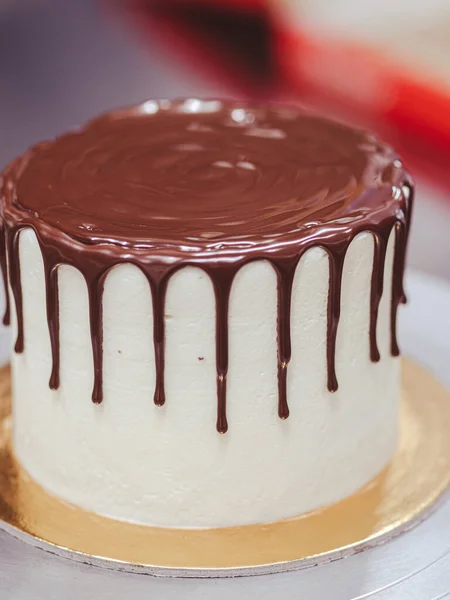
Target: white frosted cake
{"x":203,"y":297}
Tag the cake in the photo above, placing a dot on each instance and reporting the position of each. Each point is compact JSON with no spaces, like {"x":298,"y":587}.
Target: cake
{"x":204,"y":296}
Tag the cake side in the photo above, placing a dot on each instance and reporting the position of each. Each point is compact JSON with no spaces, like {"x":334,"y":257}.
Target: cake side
{"x":168,"y":466}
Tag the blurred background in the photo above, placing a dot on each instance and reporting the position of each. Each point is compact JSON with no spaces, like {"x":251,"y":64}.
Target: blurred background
{"x":382,"y":64}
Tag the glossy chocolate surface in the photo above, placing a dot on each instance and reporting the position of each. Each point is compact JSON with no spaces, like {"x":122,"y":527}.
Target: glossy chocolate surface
{"x":212,"y":184}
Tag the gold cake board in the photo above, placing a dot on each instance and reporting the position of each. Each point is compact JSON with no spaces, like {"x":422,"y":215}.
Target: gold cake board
{"x":401,"y":496}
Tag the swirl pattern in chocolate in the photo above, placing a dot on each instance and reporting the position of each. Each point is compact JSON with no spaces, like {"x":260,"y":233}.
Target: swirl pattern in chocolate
{"x":208,"y":183}
{"x":204,"y":177}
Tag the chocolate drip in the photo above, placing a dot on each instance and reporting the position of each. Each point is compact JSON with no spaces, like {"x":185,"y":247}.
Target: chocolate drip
{"x":159,"y":288}
{"x":12,"y":241}
{"x":222,"y":281}
{"x":398,"y":294}
{"x":51,"y":281}
{"x":95,"y":290}
{"x":336,"y":261}
{"x":3,"y":265}
{"x":215,"y":188}
{"x":376,"y":291}
{"x":409,"y":199}
{"x":402,"y":229}
{"x":285,"y":272}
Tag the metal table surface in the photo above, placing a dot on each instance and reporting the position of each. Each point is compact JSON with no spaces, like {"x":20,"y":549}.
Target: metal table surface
{"x":62,"y":62}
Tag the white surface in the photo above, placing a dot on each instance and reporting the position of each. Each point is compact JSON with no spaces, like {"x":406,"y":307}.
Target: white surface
{"x":350,"y":17}
{"x":415,"y":33}
{"x":429,"y":246}
{"x":168,"y":466}
{"x":414,"y":566}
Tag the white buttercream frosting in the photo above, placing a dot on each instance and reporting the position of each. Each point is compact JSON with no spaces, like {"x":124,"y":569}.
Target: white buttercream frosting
{"x":168,"y":466}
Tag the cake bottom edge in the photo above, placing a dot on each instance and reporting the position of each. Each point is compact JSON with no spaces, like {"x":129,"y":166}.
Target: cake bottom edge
{"x":400,"y":496}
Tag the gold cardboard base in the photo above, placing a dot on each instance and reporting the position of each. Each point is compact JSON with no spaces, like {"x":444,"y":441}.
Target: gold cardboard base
{"x":416,"y":477}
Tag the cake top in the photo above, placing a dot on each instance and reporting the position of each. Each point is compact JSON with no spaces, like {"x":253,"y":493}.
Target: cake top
{"x":194,"y":176}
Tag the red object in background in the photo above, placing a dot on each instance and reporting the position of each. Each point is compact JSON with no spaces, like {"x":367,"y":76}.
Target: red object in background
{"x":233,"y":47}
{"x":248,"y":53}
{"x":408,"y":109}
{"x":370,"y":83}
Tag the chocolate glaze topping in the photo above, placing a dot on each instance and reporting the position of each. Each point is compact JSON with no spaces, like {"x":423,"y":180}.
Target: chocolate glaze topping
{"x":211,"y":184}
